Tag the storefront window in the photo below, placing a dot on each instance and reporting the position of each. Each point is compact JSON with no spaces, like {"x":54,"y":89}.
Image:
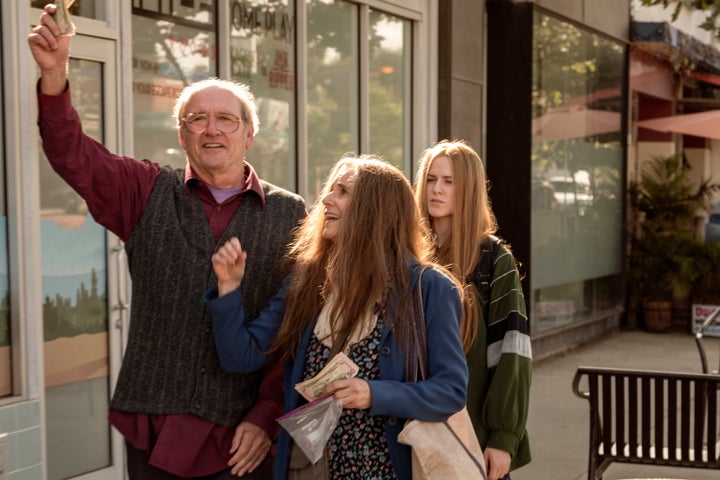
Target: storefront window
{"x":171,"y":49}
{"x":262,"y":56}
{"x":75,"y":311}
{"x":577,"y":164}
{"x":5,"y":340}
{"x":333,"y":87}
{"x":390,"y":57}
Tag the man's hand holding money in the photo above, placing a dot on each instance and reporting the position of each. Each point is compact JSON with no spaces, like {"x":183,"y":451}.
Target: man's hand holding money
{"x":62,"y":17}
{"x":50,"y":48}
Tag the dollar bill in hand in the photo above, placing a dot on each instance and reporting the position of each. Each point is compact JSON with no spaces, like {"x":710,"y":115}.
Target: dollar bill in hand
{"x":340,"y":367}
{"x":62,"y":17}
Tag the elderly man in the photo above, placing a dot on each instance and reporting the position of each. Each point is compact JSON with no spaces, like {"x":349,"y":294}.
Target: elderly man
{"x":180,"y":414}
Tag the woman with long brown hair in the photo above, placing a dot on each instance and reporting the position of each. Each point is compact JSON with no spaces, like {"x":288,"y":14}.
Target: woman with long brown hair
{"x":451,"y":192}
{"x":355,"y":260}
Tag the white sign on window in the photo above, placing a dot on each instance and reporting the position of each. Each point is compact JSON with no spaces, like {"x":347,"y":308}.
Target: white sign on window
{"x":700,"y":313}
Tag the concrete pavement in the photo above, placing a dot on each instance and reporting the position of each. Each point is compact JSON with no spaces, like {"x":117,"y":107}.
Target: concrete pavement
{"x":558,"y":421}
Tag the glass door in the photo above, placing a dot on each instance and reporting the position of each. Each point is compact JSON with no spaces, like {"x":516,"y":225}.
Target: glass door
{"x":81,"y":305}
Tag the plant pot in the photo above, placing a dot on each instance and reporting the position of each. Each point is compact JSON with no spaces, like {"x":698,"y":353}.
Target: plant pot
{"x":681,"y":321}
{"x":657,"y":315}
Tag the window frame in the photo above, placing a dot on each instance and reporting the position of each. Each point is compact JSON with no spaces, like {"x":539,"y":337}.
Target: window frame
{"x":423,"y":94}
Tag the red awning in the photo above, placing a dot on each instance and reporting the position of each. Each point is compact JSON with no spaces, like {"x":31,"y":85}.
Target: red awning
{"x":710,"y":78}
{"x":574,"y":122}
{"x":703,"y":124}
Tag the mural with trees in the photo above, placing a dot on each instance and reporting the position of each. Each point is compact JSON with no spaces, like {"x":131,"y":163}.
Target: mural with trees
{"x":5,"y":320}
{"x":87,"y":315}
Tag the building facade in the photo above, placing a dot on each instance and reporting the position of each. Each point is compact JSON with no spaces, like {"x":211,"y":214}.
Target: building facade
{"x":539,"y":88}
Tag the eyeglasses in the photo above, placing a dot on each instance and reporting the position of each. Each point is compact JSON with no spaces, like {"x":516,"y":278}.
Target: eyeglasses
{"x":198,"y":122}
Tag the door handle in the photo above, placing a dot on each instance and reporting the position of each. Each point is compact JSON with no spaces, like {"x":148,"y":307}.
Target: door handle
{"x":121,"y":306}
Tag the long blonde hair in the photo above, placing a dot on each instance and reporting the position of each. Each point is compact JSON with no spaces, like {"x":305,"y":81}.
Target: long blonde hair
{"x":380,"y":232}
{"x":472,"y":221}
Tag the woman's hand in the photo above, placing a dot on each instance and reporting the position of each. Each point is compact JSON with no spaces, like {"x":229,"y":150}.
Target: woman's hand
{"x":352,"y":392}
{"x":497,"y":463}
{"x":229,"y":265}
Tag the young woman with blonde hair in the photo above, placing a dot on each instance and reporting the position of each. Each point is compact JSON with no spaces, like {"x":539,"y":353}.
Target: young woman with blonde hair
{"x":451,"y":191}
{"x":356,"y":259}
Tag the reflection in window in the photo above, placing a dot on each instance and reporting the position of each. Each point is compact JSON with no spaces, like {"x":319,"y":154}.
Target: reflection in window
{"x":333,"y":87}
{"x":576,"y":165}
{"x":390,"y":88}
{"x":87,"y":8}
{"x":167,"y":56}
{"x":5,"y":340}
{"x":184,"y":10}
{"x":262,"y":56}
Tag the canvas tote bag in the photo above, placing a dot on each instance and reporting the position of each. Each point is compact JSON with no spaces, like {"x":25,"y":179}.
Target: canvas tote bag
{"x":440,"y":450}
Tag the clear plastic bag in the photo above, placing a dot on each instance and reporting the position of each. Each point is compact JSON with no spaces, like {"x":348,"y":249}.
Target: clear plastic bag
{"x":311,"y":425}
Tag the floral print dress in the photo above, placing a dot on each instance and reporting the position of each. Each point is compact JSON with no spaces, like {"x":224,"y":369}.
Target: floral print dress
{"x":357,"y":449}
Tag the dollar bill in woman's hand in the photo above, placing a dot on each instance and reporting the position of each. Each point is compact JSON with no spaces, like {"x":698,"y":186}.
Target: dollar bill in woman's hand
{"x":340,"y":367}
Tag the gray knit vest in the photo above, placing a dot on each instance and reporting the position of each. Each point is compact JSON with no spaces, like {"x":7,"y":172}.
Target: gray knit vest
{"x":171,"y":365}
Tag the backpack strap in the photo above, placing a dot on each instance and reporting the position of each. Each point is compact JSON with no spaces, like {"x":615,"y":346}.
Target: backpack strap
{"x":483,"y":273}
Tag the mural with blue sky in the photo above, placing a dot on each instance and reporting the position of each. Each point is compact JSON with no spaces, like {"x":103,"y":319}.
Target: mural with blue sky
{"x":74,"y":278}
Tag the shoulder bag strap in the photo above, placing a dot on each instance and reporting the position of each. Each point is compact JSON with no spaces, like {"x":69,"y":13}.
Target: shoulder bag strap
{"x":415,"y":336}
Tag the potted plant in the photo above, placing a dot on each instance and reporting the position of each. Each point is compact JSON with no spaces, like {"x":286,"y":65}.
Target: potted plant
{"x":664,"y":263}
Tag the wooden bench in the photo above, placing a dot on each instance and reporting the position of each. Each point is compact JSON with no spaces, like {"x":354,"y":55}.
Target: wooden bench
{"x":649,"y":417}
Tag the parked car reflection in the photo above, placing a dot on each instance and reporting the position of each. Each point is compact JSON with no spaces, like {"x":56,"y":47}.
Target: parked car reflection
{"x":572,"y":192}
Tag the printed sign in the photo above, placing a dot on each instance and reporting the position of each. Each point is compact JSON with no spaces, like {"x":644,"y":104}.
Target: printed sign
{"x":700,"y":313}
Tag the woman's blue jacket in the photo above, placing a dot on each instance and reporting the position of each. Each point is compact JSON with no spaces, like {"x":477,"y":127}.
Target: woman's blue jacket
{"x":241,"y":346}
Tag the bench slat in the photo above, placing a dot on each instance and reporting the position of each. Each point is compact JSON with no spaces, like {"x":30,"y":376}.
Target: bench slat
{"x":620,"y":412}
{"x":712,"y":424}
{"x":685,"y":425}
{"x":647,"y":401}
{"x":659,"y":420}
{"x":700,"y":405}
{"x":672,"y":417}
{"x":607,"y":410}
{"x":632,"y":414}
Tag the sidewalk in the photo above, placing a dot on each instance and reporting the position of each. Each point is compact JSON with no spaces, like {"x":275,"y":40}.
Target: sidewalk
{"x":558,"y":421}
